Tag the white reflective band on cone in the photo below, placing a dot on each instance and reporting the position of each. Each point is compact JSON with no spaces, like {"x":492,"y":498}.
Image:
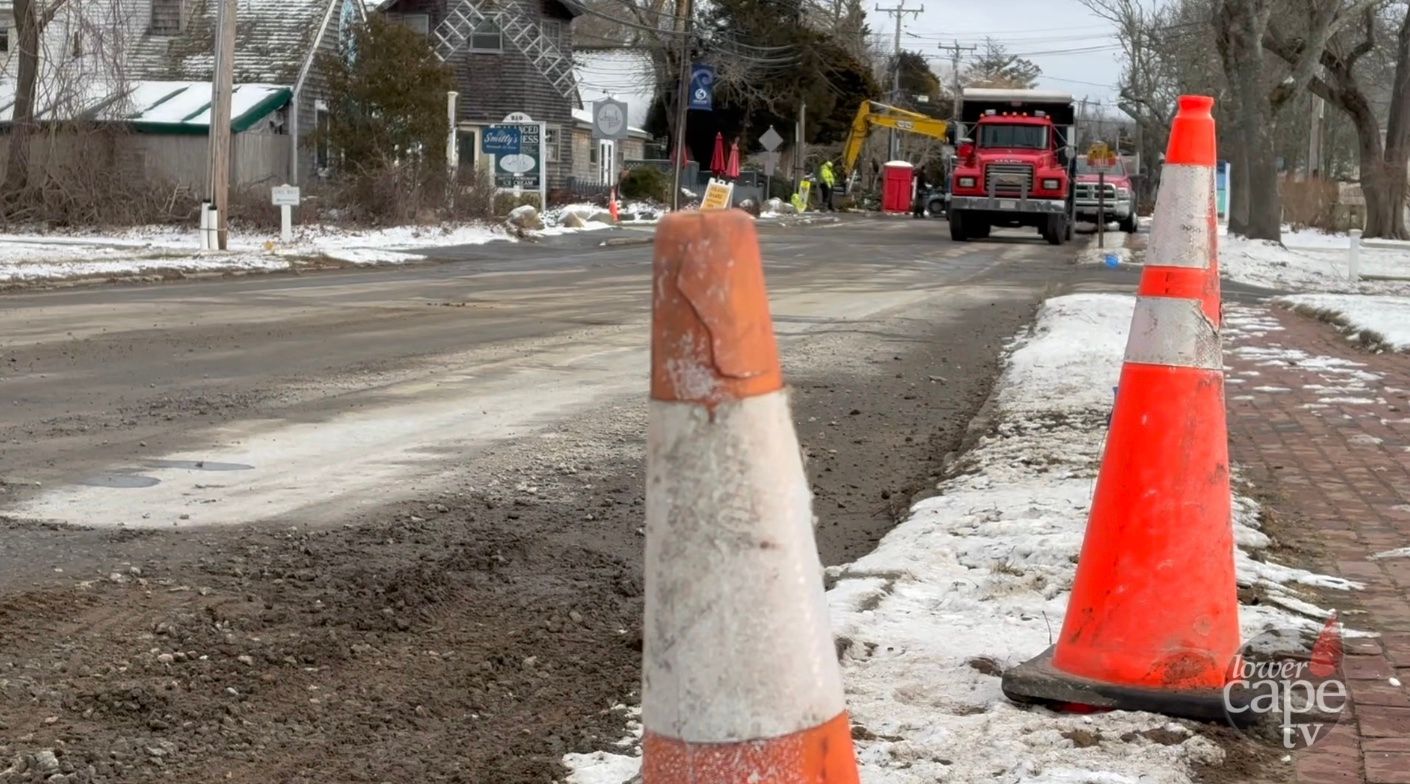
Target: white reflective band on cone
{"x":738,"y":641}
{"x":1180,"y":231}
{"x":1173,"y":332}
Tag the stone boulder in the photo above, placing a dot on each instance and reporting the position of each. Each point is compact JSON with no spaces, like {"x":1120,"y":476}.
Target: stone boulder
{"x":525,"y":218}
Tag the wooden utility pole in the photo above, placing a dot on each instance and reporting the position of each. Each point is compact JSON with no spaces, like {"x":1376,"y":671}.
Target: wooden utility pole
{"x":682,"y":102}
{"x":222,"y":85}
{"x":956,"y":51}
{"x":899,"y":12}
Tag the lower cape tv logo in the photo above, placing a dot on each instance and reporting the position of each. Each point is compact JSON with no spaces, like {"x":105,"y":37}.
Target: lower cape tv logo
{"x":1284,"y":694}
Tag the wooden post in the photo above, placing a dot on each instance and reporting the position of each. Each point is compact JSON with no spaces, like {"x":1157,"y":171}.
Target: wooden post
{"x":1101,"y":209}
{"x":222,"y":85}
{"x":682,"y":104}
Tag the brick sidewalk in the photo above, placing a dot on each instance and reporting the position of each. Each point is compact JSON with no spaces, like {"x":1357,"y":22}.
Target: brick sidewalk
{"x":1324,"y":429}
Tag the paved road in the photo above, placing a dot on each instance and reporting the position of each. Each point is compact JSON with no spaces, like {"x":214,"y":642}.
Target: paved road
{"x":390,"y":518}
{"x":358,"y":382}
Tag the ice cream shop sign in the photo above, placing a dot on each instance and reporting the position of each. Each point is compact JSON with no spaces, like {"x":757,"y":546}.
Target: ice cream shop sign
{"x":517,"y":145}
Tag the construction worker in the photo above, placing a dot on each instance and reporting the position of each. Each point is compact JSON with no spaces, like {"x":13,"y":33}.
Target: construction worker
{"x":921,"y":192}
{"x":827,"y":179}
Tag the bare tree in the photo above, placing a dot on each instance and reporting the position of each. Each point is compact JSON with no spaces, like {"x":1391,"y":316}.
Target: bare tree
{"x":1383,"y":165}
{"x":31,"y":17}
{"x":1240,"y":30}
{"x":650,"y":26}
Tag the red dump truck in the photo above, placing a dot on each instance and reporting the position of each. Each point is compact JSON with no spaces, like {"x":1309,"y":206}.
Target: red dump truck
{"x":1014,"y":165}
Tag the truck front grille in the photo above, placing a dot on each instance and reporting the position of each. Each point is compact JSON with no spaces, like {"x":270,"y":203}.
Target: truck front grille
{"x":1089,"y":191}
{"x":1008,"y":179}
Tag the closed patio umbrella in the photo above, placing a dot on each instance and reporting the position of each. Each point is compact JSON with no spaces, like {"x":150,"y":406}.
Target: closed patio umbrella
{"x":717,"y":159}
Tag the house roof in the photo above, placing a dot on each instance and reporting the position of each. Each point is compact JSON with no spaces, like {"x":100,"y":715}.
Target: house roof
{"x":573,"y":7}
{"x":158,"y":106}
{"x":624,"y":74}
{"x":274,"y":39}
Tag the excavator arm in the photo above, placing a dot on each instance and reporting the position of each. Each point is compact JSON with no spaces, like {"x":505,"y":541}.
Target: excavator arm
{"x":878,"y":115}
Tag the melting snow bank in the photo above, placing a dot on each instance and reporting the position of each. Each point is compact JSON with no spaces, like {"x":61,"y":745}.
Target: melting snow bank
{"x":977,"y":580}
{"x":1377,"y":321}
{"x":1311,"y":261}
{"x":39,"y":258}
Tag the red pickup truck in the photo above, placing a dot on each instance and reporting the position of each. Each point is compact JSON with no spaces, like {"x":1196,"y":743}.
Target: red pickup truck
{"x":1120,"y":203}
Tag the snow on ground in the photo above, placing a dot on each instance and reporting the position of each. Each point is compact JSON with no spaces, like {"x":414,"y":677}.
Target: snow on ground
{"x":637,"y":213}
{"x":147,"y":250}
{"x":977,"y":580}
{"x":1250,"y":333}
{"x":1313,"y":261}
{"x":1388,"y":318}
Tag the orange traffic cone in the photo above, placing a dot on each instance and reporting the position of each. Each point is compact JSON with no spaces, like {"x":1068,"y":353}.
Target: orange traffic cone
{"x":740,"y":681}
{"x":612,"y":205}
{"x":1153,"y":619}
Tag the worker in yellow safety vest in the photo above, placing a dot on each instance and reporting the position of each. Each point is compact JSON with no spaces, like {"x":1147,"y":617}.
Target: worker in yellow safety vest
{"x":828,"y":179}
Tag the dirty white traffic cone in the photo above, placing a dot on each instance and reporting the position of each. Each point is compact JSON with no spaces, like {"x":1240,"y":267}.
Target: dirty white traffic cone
{"x":740,"y":678}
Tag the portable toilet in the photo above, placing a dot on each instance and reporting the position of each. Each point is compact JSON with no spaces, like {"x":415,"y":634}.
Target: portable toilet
{"x":896,"y":192}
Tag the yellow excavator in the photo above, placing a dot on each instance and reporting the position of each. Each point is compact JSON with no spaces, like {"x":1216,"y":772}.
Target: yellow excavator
{"x":878,"y":115}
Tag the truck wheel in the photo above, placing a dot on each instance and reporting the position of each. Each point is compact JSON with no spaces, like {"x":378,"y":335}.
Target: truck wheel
{"x":936,"y":207}
{"x":957,"y":227}
{"x":979,"y":230}
{"x":1129,"y":224}
{"x":1054,"y":231}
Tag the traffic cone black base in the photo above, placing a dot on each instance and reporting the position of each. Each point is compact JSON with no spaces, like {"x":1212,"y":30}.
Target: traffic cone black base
{"x":1037,"y":682}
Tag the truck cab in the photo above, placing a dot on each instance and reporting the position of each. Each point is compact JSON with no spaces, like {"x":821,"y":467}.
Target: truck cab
{"x":1118,"y":204}
{"x":1013,"y":166}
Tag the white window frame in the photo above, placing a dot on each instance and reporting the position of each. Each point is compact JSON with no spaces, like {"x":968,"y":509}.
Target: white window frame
{"x":476,"y":46}
{"x":552,"y":140}
{"x":552,"y":29}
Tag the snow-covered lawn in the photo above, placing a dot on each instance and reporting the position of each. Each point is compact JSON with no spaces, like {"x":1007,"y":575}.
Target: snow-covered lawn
{"x":977,"y":580}
{"x":27,"y":258}
{"x":1386,"y":319}
{"x":1313,"y":261}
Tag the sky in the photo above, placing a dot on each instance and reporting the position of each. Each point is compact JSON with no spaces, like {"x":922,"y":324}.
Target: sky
{"x":1076,"y":49}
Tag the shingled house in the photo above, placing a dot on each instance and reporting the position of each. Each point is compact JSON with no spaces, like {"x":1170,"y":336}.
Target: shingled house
{"x":509,"y":56}
{"x":278,"y":42}
{"x":147,"y":65}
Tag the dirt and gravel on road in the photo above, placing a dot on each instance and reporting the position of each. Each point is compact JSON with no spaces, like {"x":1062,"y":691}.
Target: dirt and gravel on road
{"x":473,"y":632}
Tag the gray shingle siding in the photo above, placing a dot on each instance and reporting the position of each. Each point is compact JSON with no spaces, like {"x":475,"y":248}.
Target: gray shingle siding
{"x":494,"y":85}
{"x":275,"y":39}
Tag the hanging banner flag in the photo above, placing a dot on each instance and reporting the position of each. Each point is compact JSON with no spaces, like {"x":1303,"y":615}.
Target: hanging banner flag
{"x":702,"y":87}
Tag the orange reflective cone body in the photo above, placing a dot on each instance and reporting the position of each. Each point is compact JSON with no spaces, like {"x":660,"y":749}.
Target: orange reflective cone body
{"x":740,"y":681}
{"x":1152,"y":622}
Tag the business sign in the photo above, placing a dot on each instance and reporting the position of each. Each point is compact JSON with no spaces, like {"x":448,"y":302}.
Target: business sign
{"x":523,"y":168}
{"x":609,"y":120}
{"x":702,"y":87}
{"x":718,"y":195}
{"x":285,"y":195}
{"x":501,"y":140}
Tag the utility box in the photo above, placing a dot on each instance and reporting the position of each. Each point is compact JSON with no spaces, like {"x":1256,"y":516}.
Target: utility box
{"x":896,"y":192}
